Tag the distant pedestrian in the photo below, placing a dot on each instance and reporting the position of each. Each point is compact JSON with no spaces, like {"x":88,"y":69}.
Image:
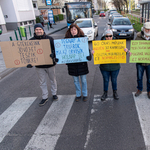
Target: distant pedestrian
{"x":78,"y":69}
{"x":45,"y":70}
{"x":141,"y":67}
{"x":109,"y":70}
{"x":41,"y":19}
{"x":50,"y":24}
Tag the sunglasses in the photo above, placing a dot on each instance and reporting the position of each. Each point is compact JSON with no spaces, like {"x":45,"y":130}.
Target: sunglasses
{"x":108,"y":36}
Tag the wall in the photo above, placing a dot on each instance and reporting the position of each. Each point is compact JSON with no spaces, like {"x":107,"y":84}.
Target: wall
{"x":2,"y":20}
{"x":9,"y":10}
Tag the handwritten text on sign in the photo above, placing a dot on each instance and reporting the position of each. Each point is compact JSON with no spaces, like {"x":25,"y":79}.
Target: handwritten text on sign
{"x":109,"y":51}
{"x":140,"y":51}
{"x":71,"y":50}
{"x":21,"y":53}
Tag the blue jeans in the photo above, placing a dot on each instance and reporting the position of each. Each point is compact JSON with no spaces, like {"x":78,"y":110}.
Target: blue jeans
{"x":77,"y":85}
{"x":113,"y":75}
{"x":140,"y":72}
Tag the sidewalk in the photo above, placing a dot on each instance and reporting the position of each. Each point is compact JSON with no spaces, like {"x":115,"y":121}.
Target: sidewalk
{"x":5,"y":37}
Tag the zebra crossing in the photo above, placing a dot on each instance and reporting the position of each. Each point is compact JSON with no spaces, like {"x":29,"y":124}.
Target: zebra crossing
{"x":49,"y":130}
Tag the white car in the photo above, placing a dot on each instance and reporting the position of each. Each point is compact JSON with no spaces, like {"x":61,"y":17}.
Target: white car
{"x":89,"y":27}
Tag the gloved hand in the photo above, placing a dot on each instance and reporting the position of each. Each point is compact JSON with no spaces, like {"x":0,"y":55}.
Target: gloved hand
{"x":88,"y":57}
{"x":52,"y":55}
{"x":56,"y":59}
{"x":29,"y":66}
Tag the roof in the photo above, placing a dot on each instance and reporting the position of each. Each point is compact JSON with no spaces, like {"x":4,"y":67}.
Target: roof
{"x":49,"y":7}
{"x":144,"y":2}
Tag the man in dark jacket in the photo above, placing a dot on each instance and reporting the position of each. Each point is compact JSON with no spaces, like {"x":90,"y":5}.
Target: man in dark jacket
{"x":44,"y":70}
{"x":143,"y":35}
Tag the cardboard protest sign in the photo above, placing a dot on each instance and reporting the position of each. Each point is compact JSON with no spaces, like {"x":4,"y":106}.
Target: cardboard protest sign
{"x":109,"y":51}
{"x":71,"y":50}
{"x":140,"y":50}
{"x":21,"y":53}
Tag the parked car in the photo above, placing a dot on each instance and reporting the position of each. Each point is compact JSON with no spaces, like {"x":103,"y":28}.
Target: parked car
{"x":89,"y":27}
{"x":114,"y":16}
{"x":122,"y":28}
{"x":102,"y":14}
{"x":113,"y":12}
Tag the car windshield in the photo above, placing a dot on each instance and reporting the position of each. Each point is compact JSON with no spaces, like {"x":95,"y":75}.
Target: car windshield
{"x":121,"y":22}
{"x":84,"y":23}
{"x":102,"y":11}
{"x":113,"y":12}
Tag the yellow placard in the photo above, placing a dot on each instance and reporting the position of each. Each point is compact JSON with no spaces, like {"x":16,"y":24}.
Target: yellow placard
{"x":109,"y":51}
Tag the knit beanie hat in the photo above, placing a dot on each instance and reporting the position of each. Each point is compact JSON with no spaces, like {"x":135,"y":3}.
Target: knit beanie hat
{"x":38,"y":25}
{"x":108,"y":31}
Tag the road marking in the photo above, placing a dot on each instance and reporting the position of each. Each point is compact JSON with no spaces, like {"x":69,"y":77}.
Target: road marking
{"x":48,"y":132}
{"x":143,"y":108}
{"x":11,"y":115}
{"x":95,"y":107}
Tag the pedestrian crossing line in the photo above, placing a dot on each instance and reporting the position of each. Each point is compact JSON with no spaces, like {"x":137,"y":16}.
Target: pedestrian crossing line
{"x":48,"y":132}
{"x":143,"y":109}
{"x":95,"y":107}
{"x":12,"y":114}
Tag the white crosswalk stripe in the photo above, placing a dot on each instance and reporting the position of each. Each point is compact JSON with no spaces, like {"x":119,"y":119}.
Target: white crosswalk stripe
{"x":143,"y":108}
{"x":49,"y":130}
{"x":10,"y":117}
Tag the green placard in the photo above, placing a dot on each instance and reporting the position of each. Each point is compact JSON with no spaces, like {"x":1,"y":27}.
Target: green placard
{"x":140,"y":50}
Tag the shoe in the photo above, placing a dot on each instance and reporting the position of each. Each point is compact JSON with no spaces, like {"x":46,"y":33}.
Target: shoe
{"x":148,"y":94}
{"x":77,"y":99}
{"x":85,"y":98}
{"x":104,"y":96}
{"x":55,"y":97}
{"x":115,"y":95}
{"x":43,"y":102}
{"x":138,"y":93}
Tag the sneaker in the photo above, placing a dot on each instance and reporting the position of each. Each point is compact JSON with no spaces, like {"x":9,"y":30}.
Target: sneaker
{"x":115,"y":95}
{"x":55,"y":97}
{"x":104,"y":96}
{"x":138,"y":93}
{"x":85,"y":98}
{"x":43,"y":102}
{"x":77,"y":99}
{"x":148,"y":94}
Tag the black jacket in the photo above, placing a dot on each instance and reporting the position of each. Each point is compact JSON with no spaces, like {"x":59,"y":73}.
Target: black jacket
{"x":77,"y":69}
{"x":52,"y":48}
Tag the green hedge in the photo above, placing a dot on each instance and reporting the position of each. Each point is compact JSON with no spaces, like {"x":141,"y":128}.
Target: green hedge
{"x":60,"y":16}
{"x":37,"y":20}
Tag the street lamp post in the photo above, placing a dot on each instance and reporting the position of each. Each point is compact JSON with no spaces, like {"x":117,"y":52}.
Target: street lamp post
{"x":129,"y":6}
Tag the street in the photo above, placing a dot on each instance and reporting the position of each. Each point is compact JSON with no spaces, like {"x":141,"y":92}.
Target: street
{"x":69,"y":125}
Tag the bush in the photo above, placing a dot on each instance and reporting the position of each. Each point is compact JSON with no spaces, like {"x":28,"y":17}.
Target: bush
{"x":37,"y":20}
{"x":61,"y":17}
{"x":55,"y":18}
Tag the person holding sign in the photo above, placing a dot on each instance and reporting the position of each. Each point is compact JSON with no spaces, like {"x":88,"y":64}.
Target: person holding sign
{"x":109,"y":70}
{"x":143,"y":35}
{"x":43,"y":70}
{"x":78,"y":69}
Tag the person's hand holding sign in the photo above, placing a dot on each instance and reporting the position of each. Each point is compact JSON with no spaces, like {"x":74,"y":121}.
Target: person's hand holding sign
{"x":127,"y":51}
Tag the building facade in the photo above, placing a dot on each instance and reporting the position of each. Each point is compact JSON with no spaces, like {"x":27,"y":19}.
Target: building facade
{"x":15,"y":13}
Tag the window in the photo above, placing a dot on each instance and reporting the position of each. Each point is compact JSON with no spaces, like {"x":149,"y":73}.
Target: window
{"x":34,"y":5}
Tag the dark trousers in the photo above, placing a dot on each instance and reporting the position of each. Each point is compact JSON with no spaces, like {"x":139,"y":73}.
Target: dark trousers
{"x":113,"y":75}
{"x":140,"y":73}
{"x":42,"y":24}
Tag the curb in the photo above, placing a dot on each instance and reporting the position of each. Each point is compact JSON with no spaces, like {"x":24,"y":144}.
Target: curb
{"x":9,"y":70}
{"x":57,"y":30}
{"x":6,"y":72}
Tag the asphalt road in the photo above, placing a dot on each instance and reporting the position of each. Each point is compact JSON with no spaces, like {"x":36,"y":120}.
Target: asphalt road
{"x":65,"y":124}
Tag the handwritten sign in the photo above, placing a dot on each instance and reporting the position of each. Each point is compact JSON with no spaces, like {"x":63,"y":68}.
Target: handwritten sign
{"x":71,"y":50}
{"x":21,"y":53}
{"x":140,"y":50}
{"x":109,"y":51}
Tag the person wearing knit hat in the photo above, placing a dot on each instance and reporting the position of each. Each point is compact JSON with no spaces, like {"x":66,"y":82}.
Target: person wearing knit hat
{"x":45,"y":70}
{"x":141,"y":67}
{"x":110,"y":70}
